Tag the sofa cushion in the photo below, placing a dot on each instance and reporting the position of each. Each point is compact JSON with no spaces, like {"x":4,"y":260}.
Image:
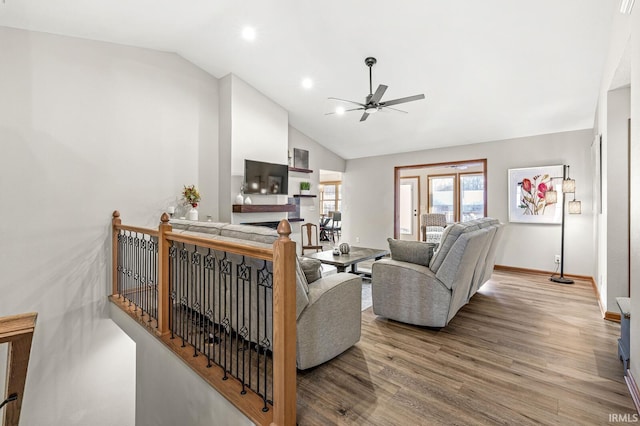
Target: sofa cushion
{"x":416,"y":252}
{"x":259,"y":234}
{"x":449,"y":237}
{"x":312,"y":269}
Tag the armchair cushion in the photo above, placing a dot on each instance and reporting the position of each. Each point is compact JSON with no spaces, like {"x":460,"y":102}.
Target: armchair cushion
{"x":411,"y":251}
{"x":312,"y":269}
{"x":302,"y":290}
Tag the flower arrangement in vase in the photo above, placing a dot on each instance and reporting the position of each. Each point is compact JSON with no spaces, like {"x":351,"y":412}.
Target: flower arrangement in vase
{"x":191,"y":196}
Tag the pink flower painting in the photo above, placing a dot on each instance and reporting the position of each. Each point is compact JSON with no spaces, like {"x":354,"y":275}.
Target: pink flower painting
{"x":529,"y":200}
{"x":532,"y":194}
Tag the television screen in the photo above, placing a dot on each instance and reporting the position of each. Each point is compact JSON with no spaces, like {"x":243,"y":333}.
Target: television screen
{"x":265,"y":178}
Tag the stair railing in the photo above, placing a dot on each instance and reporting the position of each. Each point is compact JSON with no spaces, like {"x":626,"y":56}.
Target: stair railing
{"x":226,"y":308}
{"x":17,"y":332}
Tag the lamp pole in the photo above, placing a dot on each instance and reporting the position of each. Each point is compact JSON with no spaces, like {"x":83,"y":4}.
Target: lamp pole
{"x":562,"y":279}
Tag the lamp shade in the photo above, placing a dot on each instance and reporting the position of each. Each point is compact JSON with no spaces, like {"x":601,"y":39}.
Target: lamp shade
{"x":575,"y":207}
{"x":551,"y":196}
{"x":568,"y":185}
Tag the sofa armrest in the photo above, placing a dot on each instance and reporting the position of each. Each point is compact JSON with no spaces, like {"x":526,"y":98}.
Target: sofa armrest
{"x":330,"y":324}
{"x":335,"y":286}
{"x":409,"y":293}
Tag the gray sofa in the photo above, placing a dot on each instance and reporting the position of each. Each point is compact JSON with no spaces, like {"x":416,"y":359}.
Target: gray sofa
{"x":430,"y":292}
{"x":327,"y":309}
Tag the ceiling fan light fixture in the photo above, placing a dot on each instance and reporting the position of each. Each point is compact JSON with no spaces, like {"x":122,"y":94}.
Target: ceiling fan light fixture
{"x":371,"y":110}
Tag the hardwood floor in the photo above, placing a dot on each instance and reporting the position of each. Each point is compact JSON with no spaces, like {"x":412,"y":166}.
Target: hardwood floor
{"x":523,"y":351}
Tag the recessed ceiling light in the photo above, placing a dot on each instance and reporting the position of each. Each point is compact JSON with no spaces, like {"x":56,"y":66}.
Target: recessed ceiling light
{"x":307,"y":83}
{"x":249,"y":33}
{"x":340,"y":110}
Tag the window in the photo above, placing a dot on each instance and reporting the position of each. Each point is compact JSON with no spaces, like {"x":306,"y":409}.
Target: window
{"x":460,"y":196}
{"x":442,"y":196}
{"x":458,"y":189}
{"x":471,"y":196}
{"x":330,"y":197}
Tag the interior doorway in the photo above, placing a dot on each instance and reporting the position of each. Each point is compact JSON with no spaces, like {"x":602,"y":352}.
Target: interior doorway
{"x":458,"y":189}
{"x":409,"y":205}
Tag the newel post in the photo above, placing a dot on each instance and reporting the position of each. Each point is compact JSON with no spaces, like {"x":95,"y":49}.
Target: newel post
{"x":163,"y":274}
{"x":284,"y":327}
{"x":115,"y":222}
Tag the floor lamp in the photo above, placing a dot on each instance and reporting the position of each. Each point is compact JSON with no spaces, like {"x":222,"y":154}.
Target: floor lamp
{"x":575,"y":207}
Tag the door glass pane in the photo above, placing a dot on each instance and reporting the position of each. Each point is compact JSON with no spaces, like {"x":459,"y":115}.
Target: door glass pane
{"x":471,"y":197}
{"x":441,"y":196}
{"x":406,"y":209}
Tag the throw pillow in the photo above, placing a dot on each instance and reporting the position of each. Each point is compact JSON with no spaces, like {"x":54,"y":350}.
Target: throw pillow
{"x":416,"y":252}
{"x":312,"y":269}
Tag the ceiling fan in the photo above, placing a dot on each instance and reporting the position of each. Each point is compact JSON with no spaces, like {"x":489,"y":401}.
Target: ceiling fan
{"x":373,"y":102}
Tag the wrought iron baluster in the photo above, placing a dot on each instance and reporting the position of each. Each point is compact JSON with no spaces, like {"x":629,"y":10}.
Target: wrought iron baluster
{"x":184,"y":297}
{"x":196,"y":319}
{"x":209,"y":296}
{"x":120,"y":264}
{"x":225,"y":277}
{"x":243,"y":274}
{"x":173,"y":272}
{"x":265,"y":280}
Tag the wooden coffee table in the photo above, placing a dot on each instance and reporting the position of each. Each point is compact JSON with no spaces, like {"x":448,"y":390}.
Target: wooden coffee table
{"x":355,"y":256}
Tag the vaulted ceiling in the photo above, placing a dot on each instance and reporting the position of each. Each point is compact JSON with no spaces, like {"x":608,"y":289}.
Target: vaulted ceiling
{"x":490,"y":69}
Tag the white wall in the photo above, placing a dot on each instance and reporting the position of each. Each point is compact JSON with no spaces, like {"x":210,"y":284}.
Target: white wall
{"x":369,"y":197}
{"x":259,"y":127}
{"x":252,"y":127}
{"x":616,"y":198}
{"x":319,"y":158}
{"x":225,"y":198}
{"x":635,"y":189}
{"x":169,"y":391}
{"x":86,"y":128}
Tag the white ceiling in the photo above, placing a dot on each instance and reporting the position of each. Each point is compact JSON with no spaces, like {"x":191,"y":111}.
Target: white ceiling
{"x":490,"y":69}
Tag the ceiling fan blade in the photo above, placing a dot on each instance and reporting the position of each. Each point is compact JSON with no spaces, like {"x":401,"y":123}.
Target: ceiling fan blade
{"x":346,"y":110}
{"x":378,"y":95}
{"x":402,"y":100}
{"x":382,"y":108}
{"x":351,"y":102}
{"x":364,"y":116}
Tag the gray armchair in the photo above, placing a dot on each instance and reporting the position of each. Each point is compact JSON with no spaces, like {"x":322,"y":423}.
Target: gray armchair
{"x":432,"y":225}
{"x":327,"y":308}
{"x":431,"y":295}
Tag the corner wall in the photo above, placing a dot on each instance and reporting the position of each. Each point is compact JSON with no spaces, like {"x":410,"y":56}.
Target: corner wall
{"x":252,"y":127}
{"x":635,"y":189}
{"x":85,"y":128}
{"x":319,"y":158}
{"x":369,"y":197}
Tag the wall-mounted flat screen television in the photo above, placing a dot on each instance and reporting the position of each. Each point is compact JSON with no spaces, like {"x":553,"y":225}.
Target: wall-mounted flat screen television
{"x":265,"y":178}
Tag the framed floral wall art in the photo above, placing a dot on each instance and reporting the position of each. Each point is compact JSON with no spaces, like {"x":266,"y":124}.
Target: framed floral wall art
{"x":527,"y":189}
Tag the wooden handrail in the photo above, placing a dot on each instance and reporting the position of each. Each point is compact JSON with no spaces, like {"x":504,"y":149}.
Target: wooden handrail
{"x":17,"y":331}
{"x":264,"y":253}
{"x":282,"y":254}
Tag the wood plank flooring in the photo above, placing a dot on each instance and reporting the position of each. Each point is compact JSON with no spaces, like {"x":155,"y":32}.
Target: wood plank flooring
{"x":524,"y":351}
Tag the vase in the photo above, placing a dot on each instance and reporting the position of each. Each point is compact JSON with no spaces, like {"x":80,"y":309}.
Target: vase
{"x":239,"y":198}
{"x":247,"y":200}
{"x":193,"y":214}
{"x":305,"y":192}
